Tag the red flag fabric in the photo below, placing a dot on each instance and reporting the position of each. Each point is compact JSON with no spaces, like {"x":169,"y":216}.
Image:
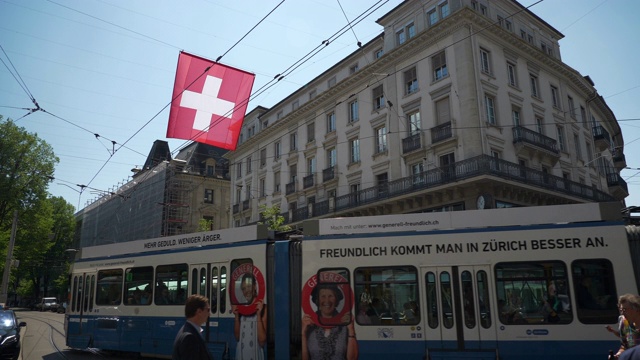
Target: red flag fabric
{"x":208,"y":105}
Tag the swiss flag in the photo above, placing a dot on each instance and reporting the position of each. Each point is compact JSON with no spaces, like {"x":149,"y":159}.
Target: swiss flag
{"x":209,"y":102}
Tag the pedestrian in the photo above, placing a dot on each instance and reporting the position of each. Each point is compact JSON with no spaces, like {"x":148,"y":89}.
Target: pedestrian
{"x":629,"y":306}
{"x":189,"y":344}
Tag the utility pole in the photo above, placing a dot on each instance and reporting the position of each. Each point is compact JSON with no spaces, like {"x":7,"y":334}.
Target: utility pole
{"x":9,"y":263}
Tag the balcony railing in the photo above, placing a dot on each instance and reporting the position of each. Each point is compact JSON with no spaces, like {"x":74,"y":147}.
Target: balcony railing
{"x":307,"y":181}
{"x":300,"y":214}
{"x":524,"y":135}
{"x":328,"y":174}
{"x":618,"y":158}
{"x":236,"y":208}
{"x":290,"y":188}
{"x":411,"y":143}
{"x":245,"y":204}
{"x":441,"y":132}
{"x":601,"y":137}
{"x":466,"y":169}
{"x":614,"y":179}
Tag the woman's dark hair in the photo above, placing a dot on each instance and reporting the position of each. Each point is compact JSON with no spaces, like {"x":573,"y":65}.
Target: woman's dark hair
{"x":316,"y":291}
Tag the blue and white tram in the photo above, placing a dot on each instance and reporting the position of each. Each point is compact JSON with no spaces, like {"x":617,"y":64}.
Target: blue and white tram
{"x":526,"y":283}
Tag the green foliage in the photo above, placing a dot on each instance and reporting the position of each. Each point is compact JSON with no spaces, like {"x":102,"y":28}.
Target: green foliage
{"x":26,"y":288}
{"x":273,"y":219}
{"x":45,"y":224}
{"x":26,"y":168}
{"x":205,"y":225}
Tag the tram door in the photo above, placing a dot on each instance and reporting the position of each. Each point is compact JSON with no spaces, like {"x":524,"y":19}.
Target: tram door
{"x":80,"y":303}
{"x":210,"y":280}
{"x":457,"y":305}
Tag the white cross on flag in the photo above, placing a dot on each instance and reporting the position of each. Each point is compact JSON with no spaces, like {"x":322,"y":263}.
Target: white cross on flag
{"x":208,"y":105}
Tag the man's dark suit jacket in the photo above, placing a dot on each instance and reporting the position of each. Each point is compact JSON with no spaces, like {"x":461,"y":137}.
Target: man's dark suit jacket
{"x":189,"y":345}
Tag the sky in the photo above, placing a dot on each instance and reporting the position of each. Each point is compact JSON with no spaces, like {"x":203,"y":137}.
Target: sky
{"x":107,"y":67}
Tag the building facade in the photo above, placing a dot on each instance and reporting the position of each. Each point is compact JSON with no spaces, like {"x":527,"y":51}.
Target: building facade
{"x":458,"y":105}
{"x":167,"y":196}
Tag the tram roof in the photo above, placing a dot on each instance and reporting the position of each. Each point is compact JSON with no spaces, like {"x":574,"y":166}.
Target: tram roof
{"x":182,"y":241}
{"x":521,"y":216}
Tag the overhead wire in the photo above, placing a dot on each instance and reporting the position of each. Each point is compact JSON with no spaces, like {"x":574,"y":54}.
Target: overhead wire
{"x":287,"y":71}
{"x":158,"y":113}
{"x":265,"y":90}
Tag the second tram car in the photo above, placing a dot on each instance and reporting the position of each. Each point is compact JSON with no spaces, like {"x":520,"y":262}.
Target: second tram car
{"x":525,"y":283}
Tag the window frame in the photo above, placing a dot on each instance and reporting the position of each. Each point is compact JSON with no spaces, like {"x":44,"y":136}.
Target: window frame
{"x":209,"y":196}
{"x":410,"y":81}
{"x":485,"y":61}
{"x":331,"y":122}
{"x":381,"y":139}
{"x":354,"y":150}
{"x":439,"y":66}
{"x":354,"y":115}
{"x":490,"y":109}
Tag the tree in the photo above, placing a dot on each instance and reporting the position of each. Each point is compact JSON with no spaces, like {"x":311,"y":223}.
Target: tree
{"x":45,"y":225}
{"x":273,"y":219}
{"x":26,"y":168}
{"x":205,"y":225}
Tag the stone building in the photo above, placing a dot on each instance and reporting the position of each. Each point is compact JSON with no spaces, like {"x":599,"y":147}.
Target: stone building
{"x":458,"y":105}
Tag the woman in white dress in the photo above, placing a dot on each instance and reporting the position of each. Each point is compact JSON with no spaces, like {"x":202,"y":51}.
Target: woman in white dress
{"x":250,"y":330}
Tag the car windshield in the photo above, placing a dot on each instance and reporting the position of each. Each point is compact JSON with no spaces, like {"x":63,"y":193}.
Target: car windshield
{"x":6,"y":320}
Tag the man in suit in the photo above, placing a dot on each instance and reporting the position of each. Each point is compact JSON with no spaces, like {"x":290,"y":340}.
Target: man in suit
{"x":189,"y":344}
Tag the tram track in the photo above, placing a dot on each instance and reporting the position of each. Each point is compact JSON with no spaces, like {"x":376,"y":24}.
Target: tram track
{"x":55,"y":339}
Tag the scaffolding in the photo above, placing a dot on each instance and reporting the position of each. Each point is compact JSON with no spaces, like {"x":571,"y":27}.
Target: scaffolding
{"x":133,"y":211}
{"x":178,"y":198}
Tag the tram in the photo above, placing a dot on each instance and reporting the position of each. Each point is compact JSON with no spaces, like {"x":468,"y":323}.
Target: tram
{"x":519,"y":283}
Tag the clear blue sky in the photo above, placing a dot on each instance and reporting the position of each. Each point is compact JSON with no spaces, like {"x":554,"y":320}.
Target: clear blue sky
{"x":108,"y":66}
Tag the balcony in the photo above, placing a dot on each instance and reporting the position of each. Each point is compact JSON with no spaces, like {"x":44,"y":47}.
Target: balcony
{"x":441,"y":132}
{"x":529,"y":142}
{"x":245,"y":204}
{"x":411,"y":143}
{"x":601,"y":137}
{"x":617,"y":186}
{"x":236,"y":208}
{"x":290,"y":188}
{"x":308,"y":181}
{"x":300,"y":214}
{"x":462,"y":170}
{"x":328,"y":174}
{"x":619,"y":160}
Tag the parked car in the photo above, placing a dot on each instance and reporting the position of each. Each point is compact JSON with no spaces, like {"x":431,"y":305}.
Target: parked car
{"x":10,"y":335}
{"x":48,"y":304}
{"x":62,"y":308}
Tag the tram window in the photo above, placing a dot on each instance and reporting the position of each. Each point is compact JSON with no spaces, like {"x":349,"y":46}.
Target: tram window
{"x":446,"y":297}
{"x":89,"y":285}
{"x":77,"y":291}
{"x":223,"y":289}
{"x":243,"y":282}
{"x":215,"y":285}
{"x":595,"y":289}
{"x":528,"y":293}
{"x":171,"y":281}
{"x":387,"y":295}
{"x":483,"y":299}
{"x":203,"y":281}
{"x":109,"y":291}
{"x":136,"y":283}
{"x":432,"y":300}
{"x":468,"y":300}
{"x":194,"y":281}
